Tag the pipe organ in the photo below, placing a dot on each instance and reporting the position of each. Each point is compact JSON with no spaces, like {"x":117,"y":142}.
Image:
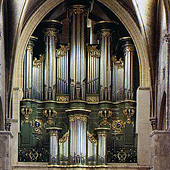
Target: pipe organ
{"x":79,"y":93}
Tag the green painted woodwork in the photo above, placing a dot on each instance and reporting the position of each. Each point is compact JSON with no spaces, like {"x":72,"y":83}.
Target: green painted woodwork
{"x":33,"y":133}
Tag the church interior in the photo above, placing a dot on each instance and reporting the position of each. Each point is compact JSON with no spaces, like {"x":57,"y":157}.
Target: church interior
{"x":84,"y":84}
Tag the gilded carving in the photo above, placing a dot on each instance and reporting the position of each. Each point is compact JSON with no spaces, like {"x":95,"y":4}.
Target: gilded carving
{"x":92,"y":139}
{"x":62,"y":51}
{"x":64,"y":137}
{"x":106,"y":33}
{"x":94,"y":52}
{"x":36,"y":62}
{"x":105,"y":115}
{"x":37,"y":125}
{"x":62,"y":98}
{"x":78,"y":10}
{"x":129,"y":48}
{"x":26,"y":112}
{"x":53,"y":133}
{"x":50,"y":32}
{"x":50,"y":114}
{"x":120,"y":63}
{"x":129,"y":113}
{"x":114,"y":59}
{"x":92,"y":99}
{"x":117,"y":126}
{"x":78,"y":117}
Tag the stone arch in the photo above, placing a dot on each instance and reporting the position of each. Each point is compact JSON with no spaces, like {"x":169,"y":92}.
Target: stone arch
{"x":114,"y":6}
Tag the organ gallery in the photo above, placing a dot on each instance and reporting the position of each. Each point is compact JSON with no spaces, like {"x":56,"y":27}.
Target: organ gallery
{"x":79,"y":91}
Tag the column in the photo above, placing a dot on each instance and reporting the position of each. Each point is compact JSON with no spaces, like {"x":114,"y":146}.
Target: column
{"x":54,"y":145}
{"x":78,"y":136}
{"x":128,"y":50}
{"x":78,"y":26}
{"x":28,"y":68}
{"x":51,"y":30}
{"x":105,"y":29}
{"x":102,"y":136}
{"x":143,"y":126}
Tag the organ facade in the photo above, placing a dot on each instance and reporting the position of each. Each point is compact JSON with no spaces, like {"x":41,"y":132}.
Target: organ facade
{"x":79,"y":106}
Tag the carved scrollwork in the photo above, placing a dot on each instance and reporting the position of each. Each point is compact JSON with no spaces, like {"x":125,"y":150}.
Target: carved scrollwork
{"x":62,"y":51}
{"x":91,"y":137}
{"x":94,"y":52}
{"x":64,"y":137}
{"x":36,"y":62}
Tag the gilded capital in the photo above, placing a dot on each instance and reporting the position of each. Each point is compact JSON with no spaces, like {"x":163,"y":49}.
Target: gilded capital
{"x":128,"y":48}
{"x":74,"y":118}
{"x":78,"y":9}
{"x":51,"y":27}
{"x":50,"y":32}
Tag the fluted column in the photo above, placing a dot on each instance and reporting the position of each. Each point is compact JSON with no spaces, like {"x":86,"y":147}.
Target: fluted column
{"x":51,"y":30}
{"x":78,"y":136}
{"x":78,"y":27}
{"x":28,"y":68}
{"x":102,"y":136}
{"x":54,"y":145}
{"x":128,"y":49}
{"x":105,"y":29}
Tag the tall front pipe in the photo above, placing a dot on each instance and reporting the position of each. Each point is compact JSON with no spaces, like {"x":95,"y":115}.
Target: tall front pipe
{"x":105,"y":29}
{"x":128,"y":50}
{"x":28,"y":65}
{"x":101,"y":151}
{"x":51,"y":30}
{"x":78,"y":27}
{"x":54,"y":145}
{"x":78,"y":136}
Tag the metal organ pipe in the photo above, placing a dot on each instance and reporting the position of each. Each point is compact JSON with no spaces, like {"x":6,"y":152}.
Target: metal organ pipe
{"x":105,"y":29}
{"x":62,"y":69}
{"x":51,"y":30}
{"x":128,"y":49}
{"x":78,"y":26}
{"x":93,"y":69}
{"x":28,"y":64}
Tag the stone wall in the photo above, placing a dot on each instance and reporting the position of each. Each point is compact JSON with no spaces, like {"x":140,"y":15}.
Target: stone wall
{"x":160,"y":149}
{"x":5,"y":153}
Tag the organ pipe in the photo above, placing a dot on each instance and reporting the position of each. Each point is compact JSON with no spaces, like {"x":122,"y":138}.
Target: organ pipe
{"x":128,"y":50}
{"x":62,"y":69}
{"x":51,"y":31}
{"x":93,"y":69}
{"x":38,"y":78}
{"x":28,"y":64}
{"x":78,"y":26}
{"x":105,"y":29}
